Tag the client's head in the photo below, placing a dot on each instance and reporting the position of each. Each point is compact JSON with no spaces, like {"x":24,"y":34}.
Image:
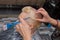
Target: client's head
{"x":30,"y":13}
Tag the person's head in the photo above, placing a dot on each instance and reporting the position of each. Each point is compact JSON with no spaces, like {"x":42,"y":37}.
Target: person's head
{"x":31,"y":13}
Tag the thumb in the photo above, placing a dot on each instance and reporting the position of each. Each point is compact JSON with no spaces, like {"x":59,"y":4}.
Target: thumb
{"x":40,"y":20}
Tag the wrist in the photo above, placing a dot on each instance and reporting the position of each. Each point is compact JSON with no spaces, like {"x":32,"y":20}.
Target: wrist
{"x":53,"y":22}
{"x":27,"y":38}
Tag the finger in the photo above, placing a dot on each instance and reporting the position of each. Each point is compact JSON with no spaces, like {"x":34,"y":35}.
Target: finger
{"x":41,"y":9}
{"x":23,"y":21}
{"x":23,"y":29}
{"x":22,"y":14}
{"x":41,"y":12}
{"x":18,"y":29}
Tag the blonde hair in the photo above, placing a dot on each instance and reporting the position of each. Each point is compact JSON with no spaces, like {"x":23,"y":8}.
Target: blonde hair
{"x":31,"y":13}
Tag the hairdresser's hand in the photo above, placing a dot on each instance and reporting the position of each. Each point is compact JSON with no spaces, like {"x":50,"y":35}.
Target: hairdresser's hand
{"x":24,"y":29}
{"x":46,"y":17}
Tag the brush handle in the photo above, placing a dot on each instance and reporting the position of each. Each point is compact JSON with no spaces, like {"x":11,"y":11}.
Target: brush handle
{"x":10,"y":25}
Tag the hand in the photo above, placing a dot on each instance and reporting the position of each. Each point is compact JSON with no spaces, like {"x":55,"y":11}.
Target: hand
{"x":46,"y":17}
{"x":24,"y":29}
